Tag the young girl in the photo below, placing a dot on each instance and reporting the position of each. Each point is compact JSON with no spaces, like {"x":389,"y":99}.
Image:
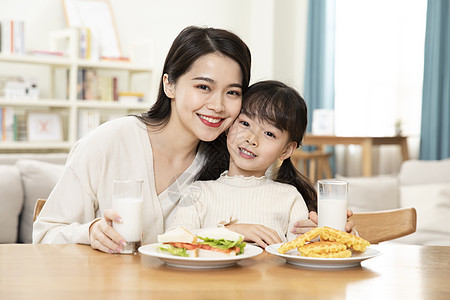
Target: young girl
{"x":270,"y":126}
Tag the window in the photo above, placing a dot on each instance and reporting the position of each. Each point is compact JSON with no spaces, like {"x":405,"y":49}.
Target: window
{"x":379,"y":66}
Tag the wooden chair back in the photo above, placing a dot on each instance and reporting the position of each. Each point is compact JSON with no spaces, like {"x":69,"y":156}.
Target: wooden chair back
{"x":315,"y":164}
{"x":380,"y":226}
{"x":38,"y":207}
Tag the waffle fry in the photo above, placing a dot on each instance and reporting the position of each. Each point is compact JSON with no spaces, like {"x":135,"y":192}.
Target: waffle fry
{"x":300,"y":240}
{"x":325,"y":249}
{"x":351,"y":241}
{"x":340,"y":254}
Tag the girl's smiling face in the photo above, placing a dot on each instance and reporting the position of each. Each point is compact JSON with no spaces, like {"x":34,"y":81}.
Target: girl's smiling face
{"x":207,"y":99}
{"x":254,"y":145}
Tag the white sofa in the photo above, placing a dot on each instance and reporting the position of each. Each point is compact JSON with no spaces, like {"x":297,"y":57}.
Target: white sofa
{"x":23,"y":179}
{"x":424,"y":185}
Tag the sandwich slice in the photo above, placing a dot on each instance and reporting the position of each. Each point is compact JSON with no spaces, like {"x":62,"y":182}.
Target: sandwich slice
{"x":220,"y":242}
{"x":179,"y":241}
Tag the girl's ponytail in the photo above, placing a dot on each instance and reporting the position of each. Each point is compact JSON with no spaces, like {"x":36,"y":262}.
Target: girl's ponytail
{"x":287,"y":173}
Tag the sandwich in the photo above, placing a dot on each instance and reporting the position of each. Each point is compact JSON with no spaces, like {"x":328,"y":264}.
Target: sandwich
{"x":220,"y":242}
{"x":179,"y":242}
{"x":217,"y":242}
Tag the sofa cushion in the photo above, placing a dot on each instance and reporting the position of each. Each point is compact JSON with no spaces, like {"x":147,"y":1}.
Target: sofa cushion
{"x":432,"y":203}
{"x":424,"y":237}
{"x":414,"y":172}
{"x":11,"y":202}
{"x":12,"y":158}
{"x":38,"y":180}
{"x":372,"y":193}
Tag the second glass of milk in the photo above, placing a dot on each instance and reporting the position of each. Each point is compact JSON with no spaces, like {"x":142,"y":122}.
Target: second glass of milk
{"x":332,"y":203}
{"x":127,"y":202}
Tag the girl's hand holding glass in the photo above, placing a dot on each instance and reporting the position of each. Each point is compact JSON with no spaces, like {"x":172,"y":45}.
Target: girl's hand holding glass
{"x":304,"y":226}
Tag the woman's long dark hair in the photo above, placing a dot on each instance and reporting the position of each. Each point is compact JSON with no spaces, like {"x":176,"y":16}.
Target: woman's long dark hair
{"x":191,"y":44}
{"x":282,"y":106}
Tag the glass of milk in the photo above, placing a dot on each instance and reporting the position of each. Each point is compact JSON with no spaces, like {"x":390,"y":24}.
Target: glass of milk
{"x":332,"y":203}
{"x":127,"y":202}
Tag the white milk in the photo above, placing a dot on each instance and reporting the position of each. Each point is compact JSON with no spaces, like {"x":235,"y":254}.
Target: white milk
{"x":332,"y":213}
{"x":130,"y":209}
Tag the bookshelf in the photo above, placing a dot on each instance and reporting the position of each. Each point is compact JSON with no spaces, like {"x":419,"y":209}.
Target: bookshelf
{"x":68,"y":105}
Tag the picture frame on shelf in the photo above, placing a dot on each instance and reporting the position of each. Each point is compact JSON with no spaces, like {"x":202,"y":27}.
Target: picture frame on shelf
{"x":44,"y":126}
{"x":97,"y":15}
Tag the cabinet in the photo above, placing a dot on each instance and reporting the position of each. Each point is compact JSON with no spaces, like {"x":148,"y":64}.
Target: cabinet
{"x":68,"y":106}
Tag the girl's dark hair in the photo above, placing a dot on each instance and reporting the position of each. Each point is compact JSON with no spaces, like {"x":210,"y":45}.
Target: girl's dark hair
{"x":282,"y":106}
{"x":191,"y":44}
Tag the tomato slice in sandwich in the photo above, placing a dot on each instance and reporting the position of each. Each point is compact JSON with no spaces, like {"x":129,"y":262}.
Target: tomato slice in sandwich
{"x":183,"y":245}
{"x":227,"y":251}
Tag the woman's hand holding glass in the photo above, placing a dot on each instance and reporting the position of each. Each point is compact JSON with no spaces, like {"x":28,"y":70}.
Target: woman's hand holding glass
{"x":103,"y":236}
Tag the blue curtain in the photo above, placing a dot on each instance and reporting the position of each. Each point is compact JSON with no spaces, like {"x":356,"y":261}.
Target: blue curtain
{"x":319,"y":69}
{"x":435,"y":128}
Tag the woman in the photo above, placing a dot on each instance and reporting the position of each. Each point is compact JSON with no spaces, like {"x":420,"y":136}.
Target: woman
{"x":179,"y":140}
{"x":205,"y":74}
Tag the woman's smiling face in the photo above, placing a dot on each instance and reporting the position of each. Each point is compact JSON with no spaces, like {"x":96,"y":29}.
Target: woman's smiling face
{"x":207,"y":99}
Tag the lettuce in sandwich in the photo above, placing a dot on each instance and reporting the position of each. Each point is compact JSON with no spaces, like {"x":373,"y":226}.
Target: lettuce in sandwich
{"x":221,"y":241}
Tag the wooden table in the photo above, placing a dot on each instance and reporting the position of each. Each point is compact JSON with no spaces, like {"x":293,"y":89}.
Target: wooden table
{"x":366,"y":142}
{"x":78,"y":272}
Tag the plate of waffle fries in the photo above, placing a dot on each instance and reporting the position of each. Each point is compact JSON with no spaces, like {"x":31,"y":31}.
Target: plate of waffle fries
{"x":325,"y":247}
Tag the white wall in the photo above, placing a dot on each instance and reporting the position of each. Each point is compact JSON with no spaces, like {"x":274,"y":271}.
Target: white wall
{"x":290,"y":25}
{"x":274,"y":30}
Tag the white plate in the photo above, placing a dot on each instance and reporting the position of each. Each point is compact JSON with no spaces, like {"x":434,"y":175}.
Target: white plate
{"x":294,"y":257}
{"x":199,"y":262}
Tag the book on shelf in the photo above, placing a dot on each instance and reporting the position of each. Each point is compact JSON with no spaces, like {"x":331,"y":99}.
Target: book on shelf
{"x":90,"y":84}
{"x":74,"y":42}
{"x":131,"y":97}
{"x":46,"y":53}
{"x":12,"y":37}
{"x":115,"y":90}
{"x":94,"y":86}
{"x":8,"y":124}
{"x":61,"y":83}
{"x":21,"y":127}
{"x":85,"y":42}
{"x":12,"y":125}
{"x":115,"y":59}
{"x":88,"y":119}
